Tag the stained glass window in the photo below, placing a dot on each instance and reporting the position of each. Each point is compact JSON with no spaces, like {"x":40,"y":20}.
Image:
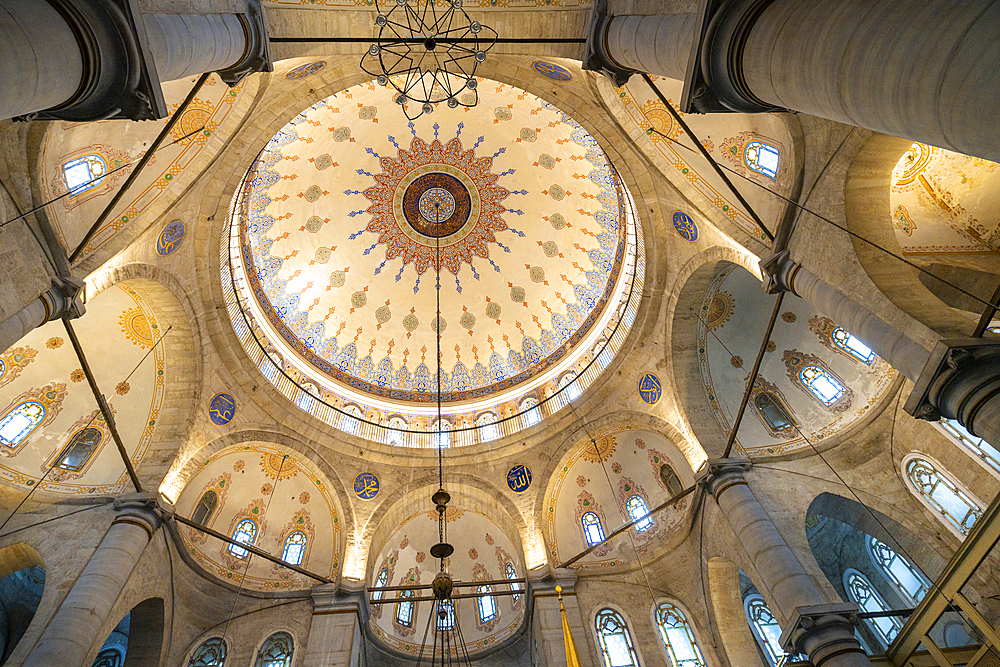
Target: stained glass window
{"x":862,"y":593}
{"x":447,"y":620}
{"x":762,"y":158}
{"x":978,"y":447}
{"x":670,"y":479}
{"x":823,"y":385}
{"x":514,"y":586}
{"x":79,"y":172}
{"x":80,"y":448}
{"x":592,"y":528}
{"x":487,"y":604}
{"x":910,"y":582}
{"x":18,"y":424}
{"x":529,"y":409}
{"x":295,"y":548}
{"x":487,"y":423}
{"x":404,"y":609}
{"x":205,"y":507}
{"x":212,"y":653}
{"x":276,"y":651}
{"x":765,"y":628}
{"x":773,"y":411}
{"x":943,"y":495}
{"x":639,"y":511}
{"x":380,"y":581}
{"x":615,"y":640}
{"x":109,"y":657}
{"x":678,"y":640}
{"x":245,"y":533}
{"x":850,"y":344}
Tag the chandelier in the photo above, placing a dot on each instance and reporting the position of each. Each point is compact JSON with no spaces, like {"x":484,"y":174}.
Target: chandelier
{"x":428,"y":53}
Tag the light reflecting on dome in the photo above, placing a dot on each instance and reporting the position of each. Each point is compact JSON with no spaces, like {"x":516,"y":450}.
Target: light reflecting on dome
{"x":343,"y":224}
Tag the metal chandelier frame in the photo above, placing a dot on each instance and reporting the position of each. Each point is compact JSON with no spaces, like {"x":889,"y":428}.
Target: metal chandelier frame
{"x":428,"y":53}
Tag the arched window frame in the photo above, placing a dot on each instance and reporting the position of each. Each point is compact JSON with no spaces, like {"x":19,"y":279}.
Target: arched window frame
{"x":35,"y":411}
{"x":615,"y":639}
{"x":958,"y":519}
{"x":677,"y":635}
{"x":205,"y":507}
{"x":210,"y":653}
{"x":812,"y":377}
{"x":511,"y":573}
{"x":983,"y":452}
{"x":862,"y":593}
{"x":307,"y":398}
{"x":351,"y":419}
{"x":592,"y":528}
{"x":488,"y":429}
{"x":764,"y":626}
{"x":762,"y":157}
{"x":486,"y":604}
{"x":448,"y":622}
{"x":72,"y":447}
{"x":397,"y":431}
{"x":441,"y":438}
{"x":570,"y":387}
{"x":380,"y":582}
{"x":909,"y":582}
{"x":276,"y":651}
{"x":777,"y":403}
{"x":671,"y":480}
{"x":530,"y":411}
{"x":246,"y":527}
{"x":294,"y":548}
{"x":638,"y":511}
{"x":404,"y":609}
{"x":852,"y":345}
{"x":78,"y":171}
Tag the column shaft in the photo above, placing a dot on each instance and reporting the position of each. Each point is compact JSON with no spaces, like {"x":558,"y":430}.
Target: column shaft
{"x":335,"y":635}
{"x":657,"y":44}
{"x":191,"y":44}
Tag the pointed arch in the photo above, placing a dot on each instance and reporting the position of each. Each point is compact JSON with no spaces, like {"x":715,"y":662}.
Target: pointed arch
{"x":614,"y":639}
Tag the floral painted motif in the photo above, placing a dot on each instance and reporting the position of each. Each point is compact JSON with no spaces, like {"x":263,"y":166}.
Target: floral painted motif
{"x":15,"y":360}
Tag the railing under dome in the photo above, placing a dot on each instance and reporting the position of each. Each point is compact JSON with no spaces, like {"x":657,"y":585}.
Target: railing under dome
{"x":587,"y":369}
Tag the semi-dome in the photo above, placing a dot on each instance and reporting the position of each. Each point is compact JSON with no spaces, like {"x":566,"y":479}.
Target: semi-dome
{"x":346,"y":218}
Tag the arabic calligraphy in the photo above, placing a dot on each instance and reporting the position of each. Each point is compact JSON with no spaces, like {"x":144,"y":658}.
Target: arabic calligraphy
{"x":222,"y":409}
{"x":366,"y":486}
{"x":649,"y":388}
{"x":519,"y":478}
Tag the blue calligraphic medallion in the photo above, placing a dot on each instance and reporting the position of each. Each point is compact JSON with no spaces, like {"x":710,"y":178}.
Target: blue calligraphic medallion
{"x":553,"y":71}
{"x":170,"y":238}
{"x":222,"y":409}
{"x":366,"y":486}
{"x":305,"y":70}
{"x":519,"y":478}
{"x":649,"y":388}
{"x":685,"y":226}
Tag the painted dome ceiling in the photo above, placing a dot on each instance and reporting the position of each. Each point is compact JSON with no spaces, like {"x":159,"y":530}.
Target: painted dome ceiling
{"x":351,"y":211}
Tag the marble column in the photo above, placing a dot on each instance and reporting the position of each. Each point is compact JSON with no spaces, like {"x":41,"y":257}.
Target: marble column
{"x":959,"y":379}
{"x":336,"y":636}
{"x":63,"y":298}
{"x":76,"y":627}
{"x":84,"y":60}
{"x":548,"y":630}
{"x":924,"y":70}
{"x":820,"y":630}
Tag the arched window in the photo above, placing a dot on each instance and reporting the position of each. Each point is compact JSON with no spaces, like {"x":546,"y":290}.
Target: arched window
{"x":909,"y":582}
{"x":593,"y":531}
{"x":295,"y":548}
{"x":109,"y":657}
{"x":762,"y":158}
{"x":380,"y":582}
{"x":203,"y":512}
{"x":678,"y":640}
{"x":773,"y":411}
{"x":670,"y":479}
{"x":19,"y":422}
{"x":570,"y":387}
{"x":396,"y":428}
{"x":80,"y":448}
{"x":942,"y":495}
{"x":511,"y":575}
{"x":212,"y":653}
{"x":863,"y":594}
{"x":854,"y":347}
{"x":245,"y":533}
{"x":277,"y":651}
{"x":350,"y":420}
{"x":765,"y":628}
{"x":615,"y":640}
{"x":440,"y":433}
{"x":487,"y":423}
{"x":307,"y":397}
{"x":529,"y":410}
{"x":639,"y":512}
{"x":85,"y":173}
{"x":447,"y":620}
{"x":487,"y":604}
{"x":979,"y":448}
{"x":823,"y":385}
{"x":404,"y":609}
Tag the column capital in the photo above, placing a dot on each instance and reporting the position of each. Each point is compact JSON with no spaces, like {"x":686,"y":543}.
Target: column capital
{"x":720,"y":474}
{"x":65,"y":297}
{"x":345,"y":597}
{"x":139,"y":509}
{"x":544,"y":581}
{"x":779,"y":273}
{"x":822,"y":632}
{"x":256,"y":56}
{"x":597,"y":58}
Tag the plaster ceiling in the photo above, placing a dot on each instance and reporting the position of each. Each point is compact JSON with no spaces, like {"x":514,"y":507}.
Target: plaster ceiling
{"x":945,"y":203}
{"x":733,"y":320}
{"x":117,"y":333}
{"x":340,"y":246}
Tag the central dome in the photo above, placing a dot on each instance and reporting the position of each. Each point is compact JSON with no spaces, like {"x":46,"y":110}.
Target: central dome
{"x":349,"y":215}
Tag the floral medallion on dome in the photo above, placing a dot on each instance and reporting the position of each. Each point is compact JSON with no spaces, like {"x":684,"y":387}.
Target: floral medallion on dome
{"x":436,"y":194}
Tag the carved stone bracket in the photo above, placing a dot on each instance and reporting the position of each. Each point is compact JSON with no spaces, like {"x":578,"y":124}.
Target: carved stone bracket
{"x":597,"y":58}
{"x":822,"y":632}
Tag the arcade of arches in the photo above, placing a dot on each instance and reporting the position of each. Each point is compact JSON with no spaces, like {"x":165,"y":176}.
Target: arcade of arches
{"x":304,"y":298}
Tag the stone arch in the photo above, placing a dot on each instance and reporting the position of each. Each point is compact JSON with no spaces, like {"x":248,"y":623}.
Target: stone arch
{"x":630,"y":624}
{"x":145,"y":636}
{"x":20,"y":597}
{"x":701,"y":635}
{"x":866,"y":203}
{"x":737,"y":640}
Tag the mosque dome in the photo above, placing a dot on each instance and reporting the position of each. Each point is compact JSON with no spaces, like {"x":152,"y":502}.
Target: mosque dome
{"x":341,"y":229}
